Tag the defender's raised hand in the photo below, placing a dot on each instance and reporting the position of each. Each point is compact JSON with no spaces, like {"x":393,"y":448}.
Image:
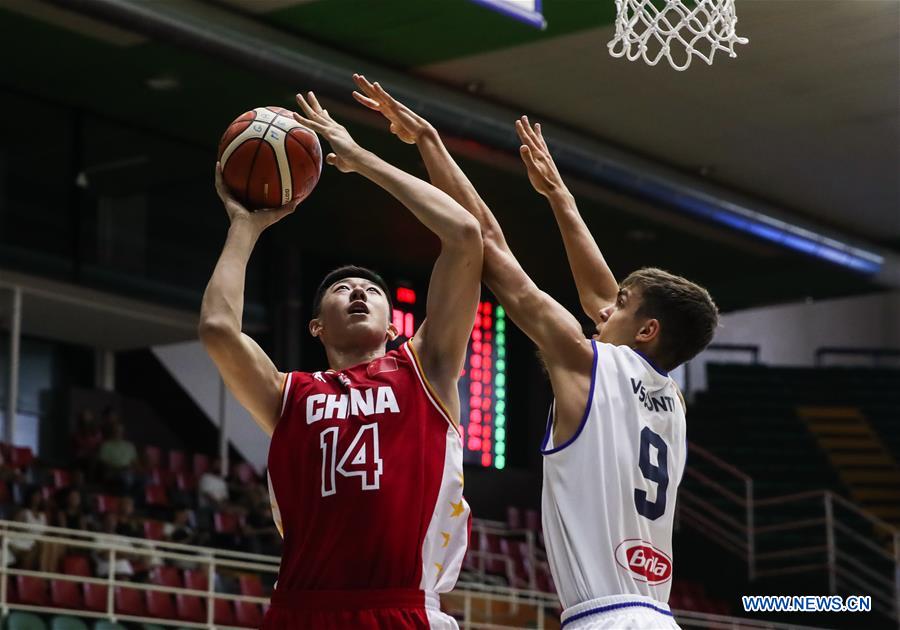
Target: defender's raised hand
{"x":345,"y":152}
{"x":542,"y":171}
{"x":405,"y":123}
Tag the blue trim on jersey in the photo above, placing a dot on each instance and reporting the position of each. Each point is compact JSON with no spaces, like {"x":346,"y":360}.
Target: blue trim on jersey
{"x":611,"y":607}
{"x":587,"y":411}
{"x":652,"y":364}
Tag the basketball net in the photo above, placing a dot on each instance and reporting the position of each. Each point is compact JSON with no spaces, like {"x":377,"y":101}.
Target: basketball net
{"x":675,"y":31}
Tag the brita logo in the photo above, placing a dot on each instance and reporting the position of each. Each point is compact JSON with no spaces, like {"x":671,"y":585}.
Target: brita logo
{"x":645,"y":562}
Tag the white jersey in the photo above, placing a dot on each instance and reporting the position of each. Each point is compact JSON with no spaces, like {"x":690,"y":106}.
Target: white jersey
{"x":609,"y":491}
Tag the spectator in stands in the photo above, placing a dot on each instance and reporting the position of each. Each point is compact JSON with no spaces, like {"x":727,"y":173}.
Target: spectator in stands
{"x":212,"y":487}
{"x":123,"y":567}
{"x":263,"y":536}
{"x":28,"y":552}
{"x":128,"y":523}
{"x":86,"y":442}
{"x":119,"y":457}
{"x":109,"y":419}
{"x":73,"y":515}
{"x":180,"y":529}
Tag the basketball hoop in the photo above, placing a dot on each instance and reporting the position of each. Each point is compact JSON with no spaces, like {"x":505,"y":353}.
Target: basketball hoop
{"x":653,"y":29}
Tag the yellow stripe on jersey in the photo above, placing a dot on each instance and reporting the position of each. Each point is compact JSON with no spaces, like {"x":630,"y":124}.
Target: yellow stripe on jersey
{"x":428,"y":385}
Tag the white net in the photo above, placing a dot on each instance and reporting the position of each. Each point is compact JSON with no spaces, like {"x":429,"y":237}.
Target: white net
{"x":675,"y":30}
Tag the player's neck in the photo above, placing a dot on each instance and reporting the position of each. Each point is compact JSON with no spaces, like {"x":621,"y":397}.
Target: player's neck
{"x":342,"y":358}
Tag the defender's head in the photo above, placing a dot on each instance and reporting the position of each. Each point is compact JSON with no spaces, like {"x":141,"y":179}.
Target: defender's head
{"x":668,"y":318}
{"x":352,"y":310}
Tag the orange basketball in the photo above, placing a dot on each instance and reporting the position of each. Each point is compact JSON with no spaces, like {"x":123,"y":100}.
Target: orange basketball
{"x":269,"y":159}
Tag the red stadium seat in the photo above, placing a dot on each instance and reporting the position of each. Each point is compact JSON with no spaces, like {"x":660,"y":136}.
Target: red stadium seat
{"x":32,"y":590}
{"x":162,"y":477}
{"x":533,"y":520}
{"x":251,"y":585}
{"x":225,"y":523}
{"x":107,"y":503}
{"x":76,"y":565}
{"x":177,"y":461}
{"x":185,"y":481}
{"x":66,"y":594}
{"x":154,"y":530}
{"x":160,"y":605}
{"x":516,"y":570}
{"x":155,"y":495}
{"x":190,"y":608}
{"x":224,"y":612}
{"x":513,"y":517}
{"x":196,"y":579}
{"x":152,"y":456}
{"x":21,"y":456}
{"x":166,"y":576}
{"x":201,"y":464}
{"x":95,"y":596}
{"x":61,"y":478}
{"x":130,"y":601}
{"x":248,"y":614}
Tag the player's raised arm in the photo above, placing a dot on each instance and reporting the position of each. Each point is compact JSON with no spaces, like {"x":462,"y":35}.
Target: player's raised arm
{"x":247,"y":371}
{"x":555,"y":330}
{"x":597,"y":286}
{"x":455,"y":286}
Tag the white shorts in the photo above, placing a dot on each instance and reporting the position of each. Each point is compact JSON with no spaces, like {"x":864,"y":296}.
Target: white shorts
{"x":619,"y":612}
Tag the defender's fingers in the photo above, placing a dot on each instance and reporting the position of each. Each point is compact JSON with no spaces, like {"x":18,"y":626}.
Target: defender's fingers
{"x":530,"y":131}
{"x":382,"y":93}
{"x":540,"y":135}
{"x":312,"y":124}
{"x":371,"y":103}
{"x":306,"y":107}
{"x":363,"y":83}
{"x":526,"y":137}
{"x":314,"y":102}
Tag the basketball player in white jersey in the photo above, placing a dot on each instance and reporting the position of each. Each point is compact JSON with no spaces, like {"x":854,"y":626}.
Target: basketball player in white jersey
{"x":615,"y":447}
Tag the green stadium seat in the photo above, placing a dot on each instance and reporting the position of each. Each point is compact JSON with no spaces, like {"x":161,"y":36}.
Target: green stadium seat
{"x":24,"y":621}
{"x":67,"y":623}
{"x":108,"y":625}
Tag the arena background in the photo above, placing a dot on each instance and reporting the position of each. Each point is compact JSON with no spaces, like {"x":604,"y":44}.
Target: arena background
{"x":771,"y":179}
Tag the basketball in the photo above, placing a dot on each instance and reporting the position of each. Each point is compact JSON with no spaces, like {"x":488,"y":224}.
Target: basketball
{"x":269,"y":159}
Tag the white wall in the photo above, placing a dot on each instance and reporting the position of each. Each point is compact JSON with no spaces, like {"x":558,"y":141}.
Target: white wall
{"x":189,"y":364}
{"x":790,"y":334}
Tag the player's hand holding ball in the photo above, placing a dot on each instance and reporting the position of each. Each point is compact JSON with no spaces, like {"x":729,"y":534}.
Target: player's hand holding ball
{"x":345,"y":153}
{"x":258,"y":219}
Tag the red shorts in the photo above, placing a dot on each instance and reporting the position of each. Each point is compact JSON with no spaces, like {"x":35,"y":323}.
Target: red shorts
{"x":385,"y":609}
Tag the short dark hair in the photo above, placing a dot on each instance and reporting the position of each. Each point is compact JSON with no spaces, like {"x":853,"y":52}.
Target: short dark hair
{"x":686,"y":312}
{"x":349,"y":271}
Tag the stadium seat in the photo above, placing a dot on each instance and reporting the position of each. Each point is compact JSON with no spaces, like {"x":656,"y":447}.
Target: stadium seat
{"x":196,"y":579}
{"x":152,"y":456}
{"x":154,"y":530}
{"x":251,"y":585}
{"x":61,"y":478}
{"x":166,"y":576}
{"x":201,"y":464}
{"x":95,"y":596}
{"x":162,"y":477}
{"x":160,"y":605}
{"x":533,"y":520}
{"x":24,"y":621}
{"x":21,"y":456}
{"x":65,"y":594}
{"x":74,"y":564}
{"x":513,"y":517}
{"x":32,"y":590}
{"x":107,"y":503}
{"x":185,"y":481}
{"x":130,"y":601}
{"x":155,"y":495}
{"x":225,"y":523}
{"x":190,"y":608}
{"x":177,"y":461}
{"x":248,"y":614}
{"x":224,"y":612}
{"x":108,"y":625}
{"x":67,"y":623}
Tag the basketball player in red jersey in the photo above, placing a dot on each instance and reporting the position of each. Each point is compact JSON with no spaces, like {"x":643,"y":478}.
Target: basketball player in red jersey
{"x":365,"y":464}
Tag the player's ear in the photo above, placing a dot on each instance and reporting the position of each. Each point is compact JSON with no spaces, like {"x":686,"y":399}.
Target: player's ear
{"x":392,"y":332}
{"x":648,"y":332}
{"x":315,"y":327}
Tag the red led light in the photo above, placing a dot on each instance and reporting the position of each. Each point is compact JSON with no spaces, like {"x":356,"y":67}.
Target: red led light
{"x":476,"y":347}
{"x":475,"y":389}
{"x":486,"y":349}
{"x":485,"y":376}
{"x":486,"y":404}
{"x":475,"y":375}
{"x":475,"y":430}
{"x":397,"y":320}
{"x":475,"y":402}
{"x":486,"y":322}
{"x":486,"y":363}
{"x":409,"y":325}
{"x":476,"y":335}
{"x":475,"y":360}
{"x":474,"y":444}
{"x":475,"y":416}
{"x":486,"y":431}
{"x":486,"y":459}
{"x":478,"y":321}
{"x":486,"y":390}
{"x":487,"y":307}
{"x":488,"y":336}
{"x":406,"y":296}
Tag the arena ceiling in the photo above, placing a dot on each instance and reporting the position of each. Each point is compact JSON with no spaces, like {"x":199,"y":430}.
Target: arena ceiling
{"x":806,"y":119}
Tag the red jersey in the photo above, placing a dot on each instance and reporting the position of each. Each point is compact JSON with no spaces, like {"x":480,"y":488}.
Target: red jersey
{"x":366,"y":480}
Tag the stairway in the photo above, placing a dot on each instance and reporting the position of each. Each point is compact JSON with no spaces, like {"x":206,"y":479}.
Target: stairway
{"x":862,"y":461}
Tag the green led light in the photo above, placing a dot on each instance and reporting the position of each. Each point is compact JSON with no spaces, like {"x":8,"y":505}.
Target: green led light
{"x":500,"y":462}
{"x":500,"y":381}
{"x":500,"y":421}
{"x":499,"y":435}
{"x":501,"y":365}
{"x":500,"y":393}
{"x":500,"y":407}
{"x":501,"y":352}
{"x":499,"y":449}
{"x":501,"y":338}
{"x":501,"y":325}
{"x":500,"y":312}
